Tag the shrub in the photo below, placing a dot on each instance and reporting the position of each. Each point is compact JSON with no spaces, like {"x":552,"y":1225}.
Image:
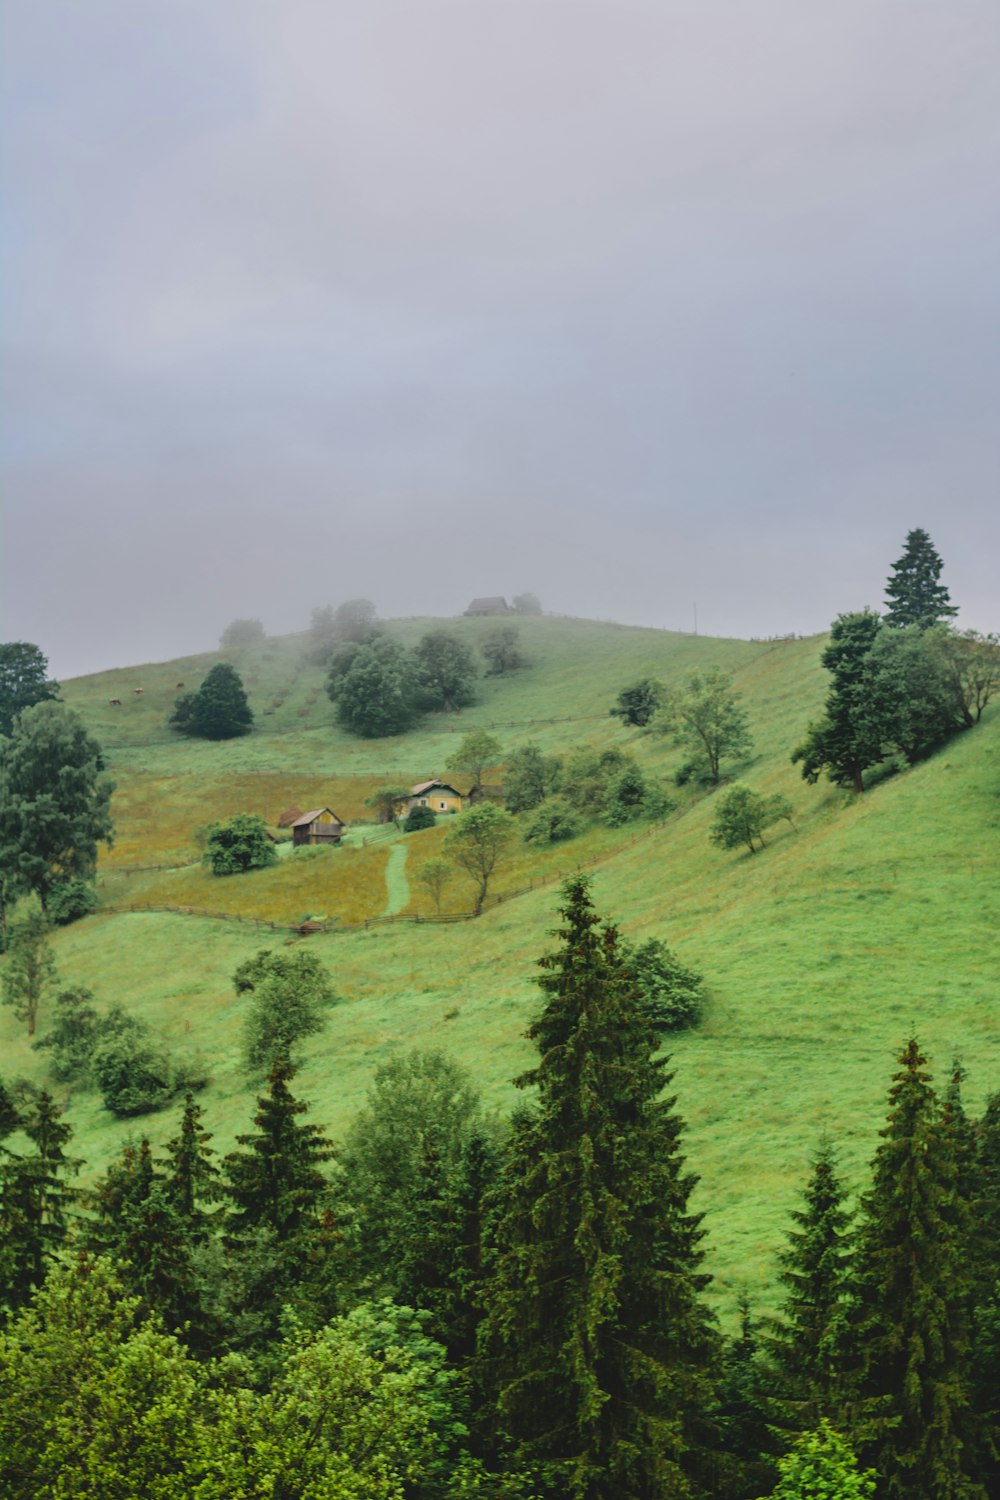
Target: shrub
{"x":418,"y":817}
{"x":241,"y":844}
{"x":70,"y":900}
{"x":132,"y":1076}
{"x":554,"y":820}
{"x":674,"y":995}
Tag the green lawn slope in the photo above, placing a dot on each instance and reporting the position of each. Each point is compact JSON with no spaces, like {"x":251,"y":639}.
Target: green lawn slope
{"x":822,"y":953}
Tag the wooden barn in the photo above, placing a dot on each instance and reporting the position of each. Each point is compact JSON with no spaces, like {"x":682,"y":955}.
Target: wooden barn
{"x":495,"y":606}
{"x":439,"y":796}
{"x":321,"y":826}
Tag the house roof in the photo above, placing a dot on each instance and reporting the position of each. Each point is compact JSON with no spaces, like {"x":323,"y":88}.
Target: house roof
{"x":310,"y":817}
{"x":427,"y":786}
{"x":288,"y":816}
{"x":495,"y":605}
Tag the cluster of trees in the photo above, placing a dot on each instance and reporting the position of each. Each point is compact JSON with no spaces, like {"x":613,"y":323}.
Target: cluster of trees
{"x":563,"y":793}
{"x":112,"y":1051}
{"x":380,"y":687}
{"x":55,"y":794}
{"x":703,"y":715}
{"x":450,"y":1306}
{"x":903,"y":682}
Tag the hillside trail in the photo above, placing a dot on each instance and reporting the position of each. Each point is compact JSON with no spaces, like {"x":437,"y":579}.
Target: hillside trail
{"x":396,"y":883}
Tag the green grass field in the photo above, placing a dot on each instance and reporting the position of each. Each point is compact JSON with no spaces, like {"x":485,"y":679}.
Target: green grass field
{"x":860,"y":924}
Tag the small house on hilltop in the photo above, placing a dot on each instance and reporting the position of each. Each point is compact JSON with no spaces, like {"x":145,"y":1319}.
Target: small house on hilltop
{"x":494,"y":606}
{"x":321,"y":826}
{"x":439,"y":796}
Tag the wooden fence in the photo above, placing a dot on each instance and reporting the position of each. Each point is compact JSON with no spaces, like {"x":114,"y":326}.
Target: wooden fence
{"x":415,"y":919}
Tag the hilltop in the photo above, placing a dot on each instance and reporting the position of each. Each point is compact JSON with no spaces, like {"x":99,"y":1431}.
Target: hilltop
{"x":862,"y":922}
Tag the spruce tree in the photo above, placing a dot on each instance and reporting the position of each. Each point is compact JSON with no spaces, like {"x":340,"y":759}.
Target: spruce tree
{"x":277,"y":1234}
{"x":909,"y":1404}
{"x":192,"y":1178}
{"x":137,"y":1224}
{"x":35,"y":1200}
{"x":912,"y":592}
{"x":596,"y":1341}
{"x":985,"y":1253}
{"x":805,"y":1342}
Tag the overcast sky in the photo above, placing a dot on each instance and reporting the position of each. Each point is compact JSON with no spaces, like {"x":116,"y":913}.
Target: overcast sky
{"x":638,"y":304}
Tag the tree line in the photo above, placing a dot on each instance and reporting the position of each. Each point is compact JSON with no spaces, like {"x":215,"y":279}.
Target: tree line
{"x":450,"y":1304}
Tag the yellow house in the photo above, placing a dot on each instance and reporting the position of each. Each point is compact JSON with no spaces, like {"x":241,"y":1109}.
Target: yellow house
{"x":437,"y":795}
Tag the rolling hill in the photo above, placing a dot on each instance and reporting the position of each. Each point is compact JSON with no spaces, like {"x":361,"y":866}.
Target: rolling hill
{"x":856,"y":926}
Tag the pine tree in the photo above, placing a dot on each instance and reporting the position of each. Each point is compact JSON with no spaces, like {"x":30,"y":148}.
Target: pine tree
{"x":985,"y":1253}
{"x":804,"y":1345}
{"x":596,"y":1340}
{"x":913,"y":594}
{"x":276,"y":1183}
{"x":137,"y":1224}
{"x":909,"y":1405}
{"x":192,"y":1178}
{"x":35,"y":1200}
{"x":275,"y":1225}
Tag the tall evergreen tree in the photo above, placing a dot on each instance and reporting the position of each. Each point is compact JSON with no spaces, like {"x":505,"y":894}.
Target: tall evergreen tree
{"x":910,"y":1404}
{"x":985,"y":1250}
{"x":275,"y":1221}
{"x":596,"y":1338}
{"x":804,"y":1344}
{"x":35,"y":1200}
{"x":192,"y":1178}
{"x":913,"y":594}
{"x":849,"y":737}
{"x":137,"y":1224}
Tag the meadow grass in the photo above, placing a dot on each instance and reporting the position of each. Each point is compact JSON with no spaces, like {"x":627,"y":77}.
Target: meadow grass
{"x":865,"y":921}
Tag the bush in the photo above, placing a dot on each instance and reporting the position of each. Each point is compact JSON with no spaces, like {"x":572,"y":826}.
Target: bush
{"x":241,"y":844}
{"x":218,"y":710}
{"x":132,"y":1076}
{"x":673,"y":994}
{"x":418,"y":817}
{"x":70,"y":900}
{"x":554,"y":820}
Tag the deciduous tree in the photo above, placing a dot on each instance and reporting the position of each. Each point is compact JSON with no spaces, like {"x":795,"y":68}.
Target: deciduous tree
{"x":434,"y":874}
{"x":29,"y":975}
{"x":290,"y":995}
{"x":24,"y":681}
{"x":477,"y":842}
{"x":446,"y":671}
{"x":529,"y":778}
{"x":638,"y":703}
{"x":706,"y":717}
{"x":475,"y":755}
{"x":55,"y":801}
{"x":742,"y":815}
{"x":502,"y":651}
{"x":376,"y":696}
{"x":219,"y":710}
{"x":242,"y":633}
{"x":239,"y":844}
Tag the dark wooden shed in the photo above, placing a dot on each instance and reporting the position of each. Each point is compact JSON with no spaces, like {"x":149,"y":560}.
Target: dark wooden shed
{"x":321,"y":826}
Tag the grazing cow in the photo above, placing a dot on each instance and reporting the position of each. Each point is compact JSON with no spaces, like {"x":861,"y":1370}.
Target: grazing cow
{"x":137,"y":691}
{"x":180,"y":684}
{"x":115,"y":702}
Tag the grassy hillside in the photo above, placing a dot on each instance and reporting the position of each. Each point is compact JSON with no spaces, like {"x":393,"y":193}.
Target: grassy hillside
{"x":822,"y":953}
